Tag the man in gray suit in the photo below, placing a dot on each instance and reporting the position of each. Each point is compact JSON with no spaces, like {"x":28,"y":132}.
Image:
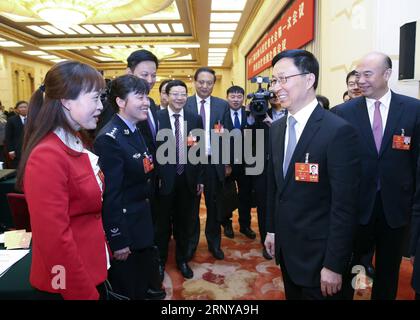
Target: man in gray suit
{"x":212,"y":111}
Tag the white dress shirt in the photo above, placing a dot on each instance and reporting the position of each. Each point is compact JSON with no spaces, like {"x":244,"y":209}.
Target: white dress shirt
{"x":384,"y":108}
{"x":207,"y":126}
{"x":301,"y":117}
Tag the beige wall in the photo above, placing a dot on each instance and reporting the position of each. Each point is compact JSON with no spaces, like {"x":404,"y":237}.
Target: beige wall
{"x":6,"y":85}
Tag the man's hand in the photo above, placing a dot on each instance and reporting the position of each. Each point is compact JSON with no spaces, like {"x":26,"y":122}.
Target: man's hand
{"x":12,"y":155}
{"x":268,"y":121}
{"x":330,"y":282}
{"x":200,"y":189}
{"x":122,"y":254}
{"x":269,"y":244}
{"x":228,"y":170}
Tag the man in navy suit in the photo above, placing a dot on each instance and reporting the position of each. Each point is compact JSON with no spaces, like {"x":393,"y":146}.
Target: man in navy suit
{"x":383,"y":120}
{"x":14,"y":133}
{"x":212,"y":111}
{"x":179,"y":183}
{"x":310,"y":218}
{"x":236,"y":118}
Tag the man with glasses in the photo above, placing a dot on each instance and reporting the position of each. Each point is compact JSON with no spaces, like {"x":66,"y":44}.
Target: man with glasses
{"x":212,"y":112}
{"x":352,"y":85}
{"x":383,"y":120}
{"x":179,"y":183}
{"x":310,"y":217}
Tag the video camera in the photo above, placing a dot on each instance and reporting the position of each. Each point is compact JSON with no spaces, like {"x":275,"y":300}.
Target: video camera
{"x":260,"y":98}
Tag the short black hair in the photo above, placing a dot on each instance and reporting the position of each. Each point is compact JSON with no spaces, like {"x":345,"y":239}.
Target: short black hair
{"x":175,"y":83}
{"x":350,"y":74}
{"x":163,"y":83}
{"x":235,"y":89}
{"x":204,"y":69}
{"x":388,"y":62}
{"x":20,"y":102}
{"x":304,"y":60}
{"x":323,"y":101}
{"x":139,"y":56}
{"x":346,"y":93}
{"x":122,"y":86}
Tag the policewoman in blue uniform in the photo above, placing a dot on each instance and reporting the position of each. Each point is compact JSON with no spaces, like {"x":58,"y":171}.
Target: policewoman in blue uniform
{"x":127,"y":167}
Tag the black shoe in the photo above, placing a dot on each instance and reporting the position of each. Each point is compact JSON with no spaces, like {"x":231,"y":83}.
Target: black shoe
{"x":153,"y":294}
{"x":266,"y":255}
{"x":228,"y":231}
{"x":248,"y":232}
{"x":185,"y":270}
{"x":161,"y":271}
{"x":217,"y":253}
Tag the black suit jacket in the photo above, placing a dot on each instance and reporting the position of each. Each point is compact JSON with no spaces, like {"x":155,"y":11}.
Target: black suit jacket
{"x":126,"y":206}
{"x":314,"y":222}
{"x":145,"y":129}
{"x":218,"y":109}
{"x":14,"y":135}
{"x":395,"y":169}
{"x":167,"y":172}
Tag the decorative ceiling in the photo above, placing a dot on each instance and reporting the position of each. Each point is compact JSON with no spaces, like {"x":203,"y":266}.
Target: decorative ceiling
{"x":184,"y":34}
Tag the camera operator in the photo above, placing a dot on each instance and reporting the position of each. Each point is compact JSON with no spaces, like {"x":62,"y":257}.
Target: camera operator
{"x":256,"y":121}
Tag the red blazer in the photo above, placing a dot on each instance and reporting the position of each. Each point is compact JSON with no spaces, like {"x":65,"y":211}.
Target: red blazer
{"x":65,"y":204}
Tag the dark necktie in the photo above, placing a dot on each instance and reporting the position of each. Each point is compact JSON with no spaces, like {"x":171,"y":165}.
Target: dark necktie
{"x":237,"y":123}
{"x":179,"y":166}
{"x":203,"y":113}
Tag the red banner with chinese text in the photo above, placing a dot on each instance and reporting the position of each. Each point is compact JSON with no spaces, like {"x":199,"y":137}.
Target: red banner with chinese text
{"x":294,"y":30}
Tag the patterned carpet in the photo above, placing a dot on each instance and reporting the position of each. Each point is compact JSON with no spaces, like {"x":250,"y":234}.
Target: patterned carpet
{"x":244,"y":274}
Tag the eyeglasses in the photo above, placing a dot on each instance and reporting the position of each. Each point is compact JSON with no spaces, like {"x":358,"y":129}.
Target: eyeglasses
{"x":178,"y":95}
{"x":283,"y":80}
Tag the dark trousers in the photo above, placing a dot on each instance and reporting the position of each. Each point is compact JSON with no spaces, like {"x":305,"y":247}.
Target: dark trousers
{"x":295,"y":292}
{"x":388,"y":243}
{"x":131,"y":277}
{"x":213,"y":193}
{"x":175,"y":210}
{"x":259,"y":184}
{"x":417,"y":296}
{"x":244,"y":184}
{"x":194,"y":233}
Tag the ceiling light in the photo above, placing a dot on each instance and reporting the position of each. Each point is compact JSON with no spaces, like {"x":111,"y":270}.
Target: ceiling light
{"x":52,"y":29}
{"x":137,"y":28}
{"x":119,"y":47}
{"x":187,"y":57}
{"x":34,"y":53}
{"x":80,"y":30}
{"x":164,"y":27}
{"x":39,"y":30}
{"x":104,"y":59}
{"x":178,"y":45}
{"x":62,"y":47}
{"x":108,"y":28}
{"x":219,"y":41}
{"x":223,"y":26}
{"x":124,"y":28}
{"x":218,"y":34}
{"x":92,"y":29}
{"x":231,"y":5}
{"x":10,"y":44}
{"x":58,"y":60}
{"x":178,"y":27}
{"x":151,"y":28}
{"x":218,"y":49}
{"x":49,"y":57}
{"x":93,"y":47}
{"x":225,"y":17}
{"x":66,"y":13}
{"x":217,"y":54}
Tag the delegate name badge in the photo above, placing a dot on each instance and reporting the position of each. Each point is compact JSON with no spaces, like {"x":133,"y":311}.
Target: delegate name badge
{"x":191,"y":140}
{"x":401,"y":142}
{"x":148,"y":163}
{"x":218,"y":127}
{"x":307,"y":172}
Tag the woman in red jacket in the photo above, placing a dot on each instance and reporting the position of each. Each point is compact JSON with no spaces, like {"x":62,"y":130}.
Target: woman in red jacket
{"x":62,"y":185}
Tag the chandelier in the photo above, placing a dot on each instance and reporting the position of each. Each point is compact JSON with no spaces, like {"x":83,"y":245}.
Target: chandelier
{"x":67,"y":13}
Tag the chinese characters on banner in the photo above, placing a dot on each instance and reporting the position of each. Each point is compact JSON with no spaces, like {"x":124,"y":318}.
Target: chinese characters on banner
{"x":294,"y":30}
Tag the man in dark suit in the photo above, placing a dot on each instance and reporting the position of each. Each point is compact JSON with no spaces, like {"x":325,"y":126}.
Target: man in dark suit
{"x":310,"y":219}
{"x":415,"y":238}
{"x":382,"y":119}
{"x":179,"y":182}
{"x":212,"y":111}
{"x":164,"y":99}
{"x":236,"y":119}
{"x":14,"y":133}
